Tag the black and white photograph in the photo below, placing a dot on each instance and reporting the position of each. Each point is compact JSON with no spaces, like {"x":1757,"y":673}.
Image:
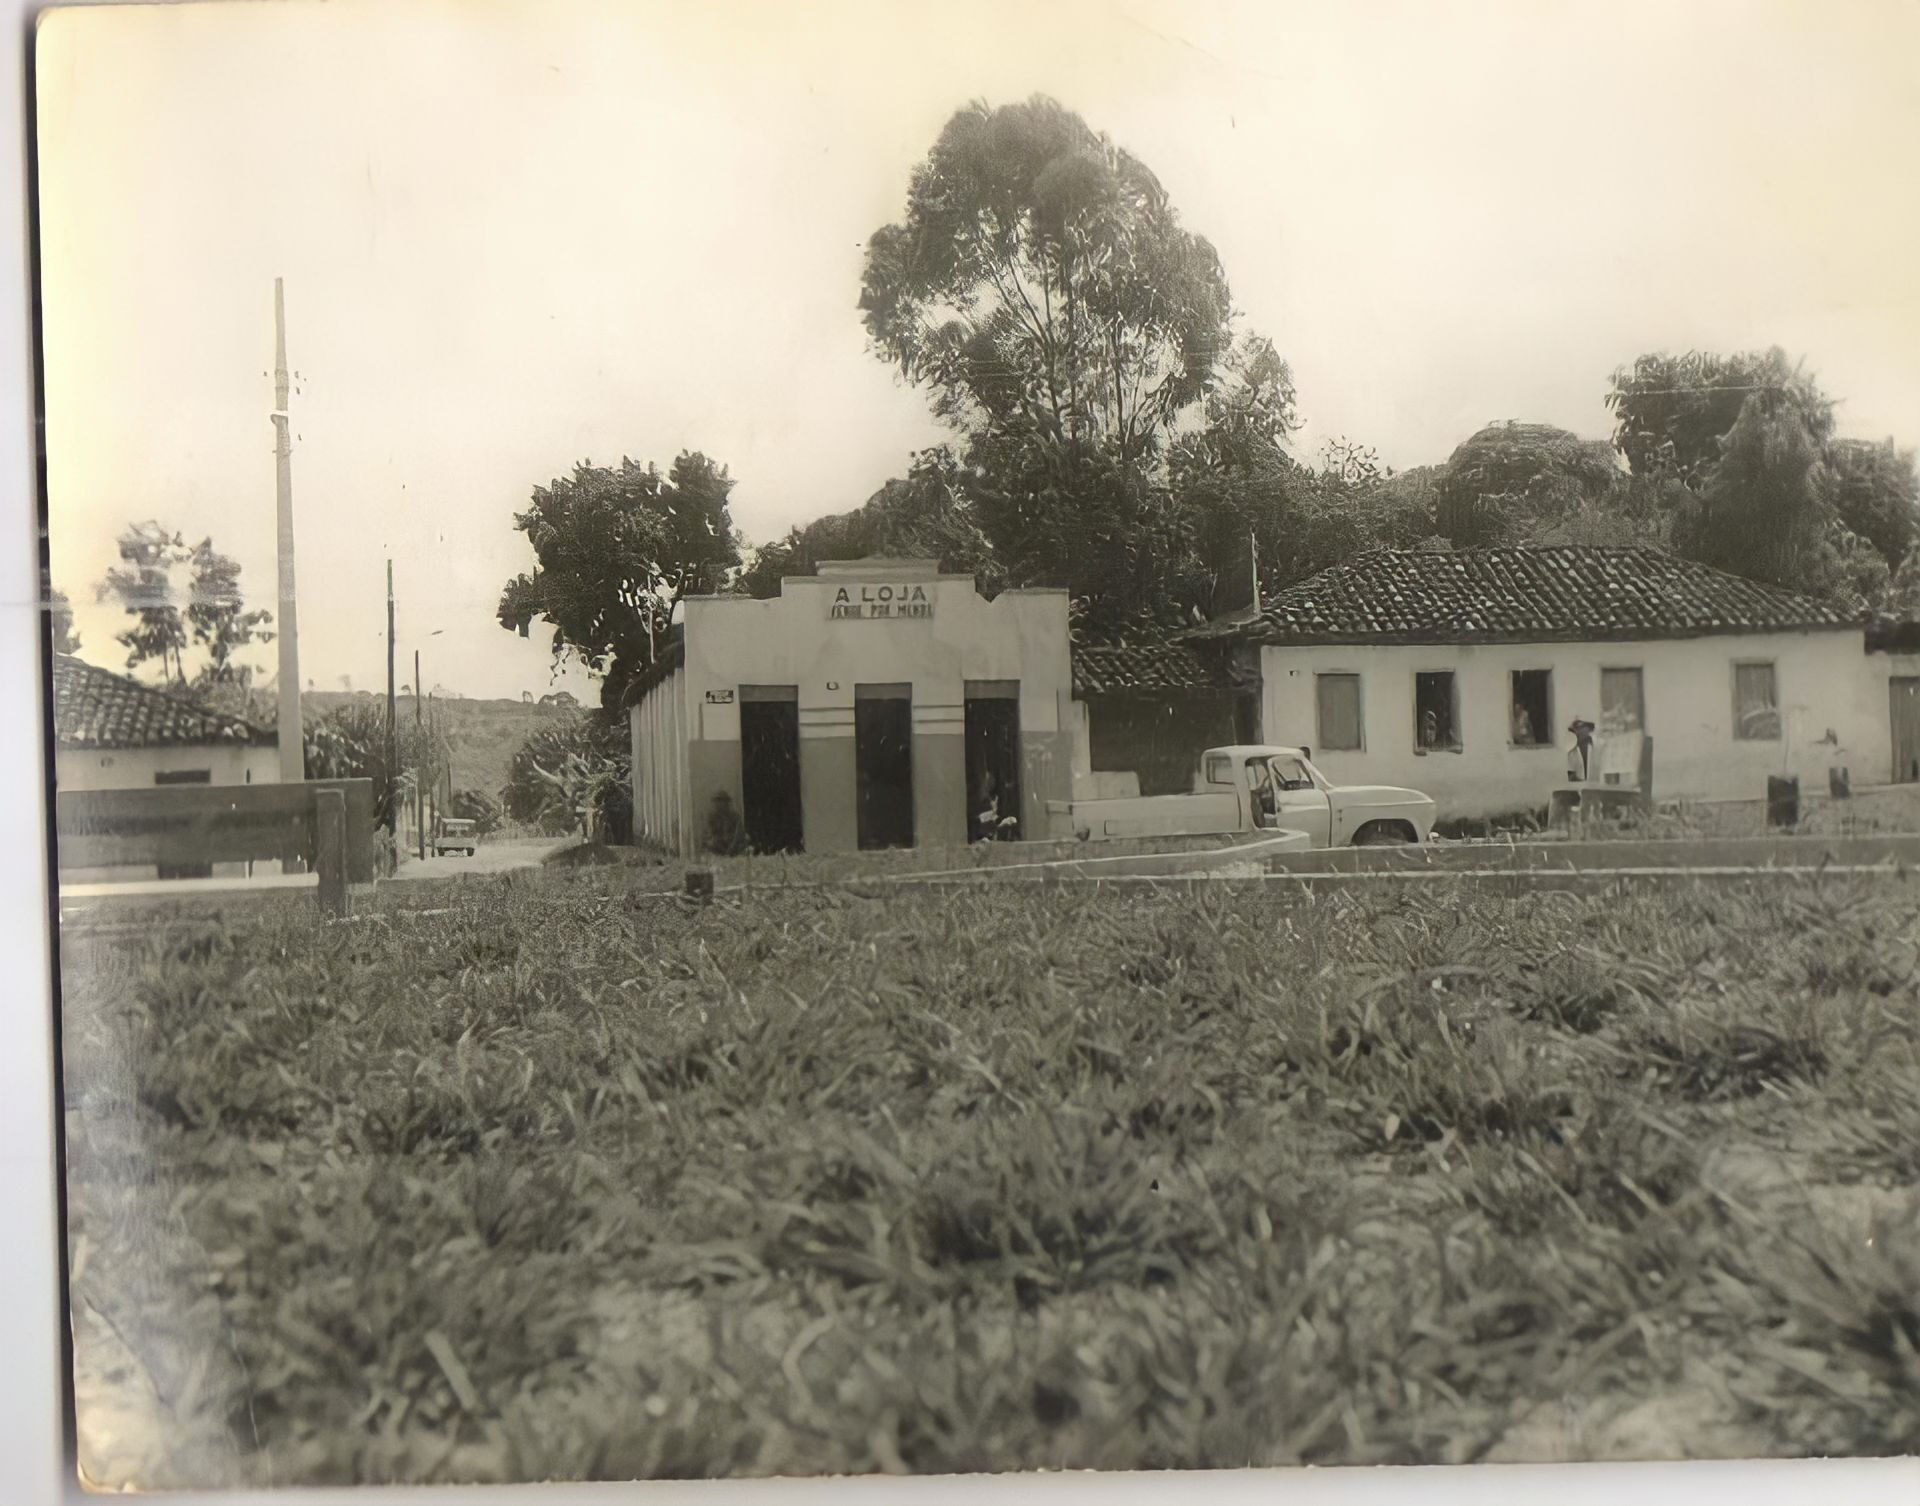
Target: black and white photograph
{"x":873,"y":739}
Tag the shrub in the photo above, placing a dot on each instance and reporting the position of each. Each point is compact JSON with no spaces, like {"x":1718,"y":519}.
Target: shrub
{"x":478,"y":807}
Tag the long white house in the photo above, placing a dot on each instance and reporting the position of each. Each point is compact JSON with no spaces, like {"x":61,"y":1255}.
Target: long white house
{"x":1460,"y":673}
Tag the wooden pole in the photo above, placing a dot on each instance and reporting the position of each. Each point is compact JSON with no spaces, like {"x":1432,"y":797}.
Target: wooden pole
{"x":293,"y":763}
{"x":419,"y":769}
{"x":393,"y":731}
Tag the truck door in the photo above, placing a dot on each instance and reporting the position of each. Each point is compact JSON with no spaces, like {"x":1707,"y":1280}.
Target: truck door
{"x":1299,"y":803}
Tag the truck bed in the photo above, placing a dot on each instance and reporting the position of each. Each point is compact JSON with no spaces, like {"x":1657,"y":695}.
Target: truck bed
{"x":1197,"y":815}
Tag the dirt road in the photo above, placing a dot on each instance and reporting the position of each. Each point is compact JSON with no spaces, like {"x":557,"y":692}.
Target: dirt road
{"x":493,"y":857}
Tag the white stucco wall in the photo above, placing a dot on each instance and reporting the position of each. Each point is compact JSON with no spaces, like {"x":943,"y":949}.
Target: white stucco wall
{"x":1833,"y":699}
{"x":135,"y":768}
{"x":825,"y":636}
{"x":792,"y":639}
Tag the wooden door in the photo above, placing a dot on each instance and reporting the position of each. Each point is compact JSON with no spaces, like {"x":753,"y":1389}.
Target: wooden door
{"x":1906,"y":729}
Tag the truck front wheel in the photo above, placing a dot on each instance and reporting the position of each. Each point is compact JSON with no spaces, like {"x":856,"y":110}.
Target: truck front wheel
{"x":1384,"y":834}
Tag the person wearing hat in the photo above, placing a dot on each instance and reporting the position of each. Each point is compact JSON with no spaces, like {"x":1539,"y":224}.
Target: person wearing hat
{"x":1580,"y":755}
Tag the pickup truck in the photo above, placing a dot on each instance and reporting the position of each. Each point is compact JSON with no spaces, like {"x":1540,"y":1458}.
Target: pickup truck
{"x":1258,"y":787}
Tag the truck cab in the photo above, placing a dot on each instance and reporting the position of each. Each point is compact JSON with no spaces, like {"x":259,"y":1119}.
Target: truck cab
{"x":1279,"y":788}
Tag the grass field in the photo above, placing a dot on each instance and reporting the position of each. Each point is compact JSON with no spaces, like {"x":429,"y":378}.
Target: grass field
{"x":569,"y":1184}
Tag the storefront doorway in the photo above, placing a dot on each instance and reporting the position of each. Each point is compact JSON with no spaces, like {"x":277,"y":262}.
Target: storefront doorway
{"x":883,"y":764}
{"x":993,"y":761}
{"x":770,"y":767}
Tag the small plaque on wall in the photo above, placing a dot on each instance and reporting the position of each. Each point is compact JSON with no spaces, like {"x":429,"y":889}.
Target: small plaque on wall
{"x":719,"y":697}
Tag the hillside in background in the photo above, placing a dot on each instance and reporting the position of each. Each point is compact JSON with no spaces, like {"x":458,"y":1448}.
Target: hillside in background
{"x":485,"y":734}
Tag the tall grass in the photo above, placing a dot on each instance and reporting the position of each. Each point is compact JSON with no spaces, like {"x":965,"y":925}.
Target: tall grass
{"x":568,"y":1183}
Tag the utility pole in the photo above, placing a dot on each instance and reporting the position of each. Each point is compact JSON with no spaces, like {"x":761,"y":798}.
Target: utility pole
{"x":420,"y":752}
{"x":293,"y":761}
{"x":393,"y":732}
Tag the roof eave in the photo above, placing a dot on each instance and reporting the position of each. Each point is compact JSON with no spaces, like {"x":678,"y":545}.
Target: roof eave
{"x":1442,"y":639}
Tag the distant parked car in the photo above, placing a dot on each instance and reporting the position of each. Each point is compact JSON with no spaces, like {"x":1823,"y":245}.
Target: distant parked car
{"x":452,"y":835}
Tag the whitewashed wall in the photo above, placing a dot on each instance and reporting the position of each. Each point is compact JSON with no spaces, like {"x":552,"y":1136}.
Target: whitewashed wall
{"x":1832,"y":694}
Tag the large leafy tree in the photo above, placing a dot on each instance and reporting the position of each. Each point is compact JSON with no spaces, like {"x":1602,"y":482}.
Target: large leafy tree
{"x":183,"y":596}
{"x":1762,"y":509}
{"x":617,"y":548}
{"x":1510,"y":482}
{"x":1877,"y":495}
{"x":1671,"y":412}
{"x":1294,"y":519}
{"x":1745,"y":448}
{"x":218,"y":618}
{"x":1042,"y":290}
{"x":150,"y":584}
{"x":60,"y":618}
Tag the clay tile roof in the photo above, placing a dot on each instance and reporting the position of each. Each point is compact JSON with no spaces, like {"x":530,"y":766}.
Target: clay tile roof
{"x":1563,"y":593}
{"x":1109,"y":669}
{"x":95,"y":708}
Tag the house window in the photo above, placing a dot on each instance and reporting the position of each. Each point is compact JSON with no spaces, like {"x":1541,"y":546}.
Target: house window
{"x":1623,"y":706}
{"x":1436,"y":712}
{"x":1756,"y":703}
{"x":1339,"y":697}
{"x":1531,"y":708}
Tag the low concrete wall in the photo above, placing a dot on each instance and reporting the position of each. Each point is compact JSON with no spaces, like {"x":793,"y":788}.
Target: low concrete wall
{"x":1234,"y":855}
{"x":1595,"y":857}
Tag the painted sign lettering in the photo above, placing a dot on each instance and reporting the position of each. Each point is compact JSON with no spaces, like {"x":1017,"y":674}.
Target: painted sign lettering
{"x":871,"y":602}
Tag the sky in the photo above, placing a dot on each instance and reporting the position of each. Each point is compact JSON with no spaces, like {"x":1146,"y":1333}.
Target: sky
{"x":515,"y":236}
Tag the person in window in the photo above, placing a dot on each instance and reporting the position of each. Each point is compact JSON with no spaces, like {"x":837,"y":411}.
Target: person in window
{"x":1522,"y":726}
{"x":1580,"y":755}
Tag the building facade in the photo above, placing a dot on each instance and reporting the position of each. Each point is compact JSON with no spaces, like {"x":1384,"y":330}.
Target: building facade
{"x":878,"y":703}
{"x":1144,"y":713}
{"x":113,"y":733}
{"x":1460,"y":674}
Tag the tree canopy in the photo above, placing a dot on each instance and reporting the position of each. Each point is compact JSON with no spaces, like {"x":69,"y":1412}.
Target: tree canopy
{"x":1672,"y":412}
{"x":60,"y":621}
{"x":616,"y":550}
{"x":1073,"y":333}
{"x":1510,"y":482}
{"x":1754,"y":480}
{"x":1877,"y":495}
{"x":183,"y":596}
{"x":926,"y":514}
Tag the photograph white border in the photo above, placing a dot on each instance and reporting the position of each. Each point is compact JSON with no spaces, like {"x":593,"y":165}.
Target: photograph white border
{"x":36,"y":1460}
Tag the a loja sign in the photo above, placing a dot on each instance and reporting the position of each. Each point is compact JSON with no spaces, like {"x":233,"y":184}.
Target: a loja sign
{"x":866,"y":602}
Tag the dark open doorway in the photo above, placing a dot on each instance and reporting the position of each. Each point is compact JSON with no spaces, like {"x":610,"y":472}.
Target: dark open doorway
{"x":993,"y":763}
{"x":883,"y":763}
{"x":770,"y":767}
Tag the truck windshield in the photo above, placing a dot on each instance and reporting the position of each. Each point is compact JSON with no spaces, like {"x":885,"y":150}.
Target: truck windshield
{"x":1290,"y":774}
